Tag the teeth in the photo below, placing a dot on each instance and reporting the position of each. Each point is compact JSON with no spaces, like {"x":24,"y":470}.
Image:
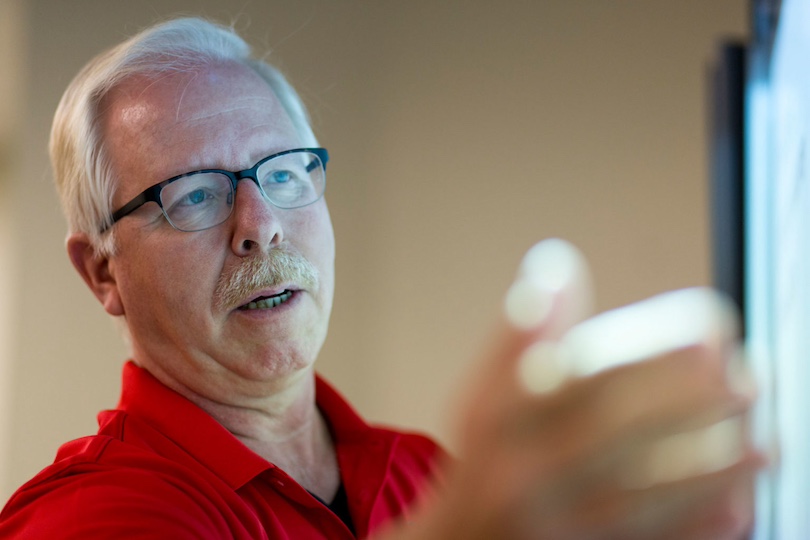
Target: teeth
{"x":273,"y":301}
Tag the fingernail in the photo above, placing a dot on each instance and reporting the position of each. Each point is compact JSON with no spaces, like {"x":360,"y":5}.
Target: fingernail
{"x":553,"y":262}
{"x":528,"y":304}
{"x":548,"y":267}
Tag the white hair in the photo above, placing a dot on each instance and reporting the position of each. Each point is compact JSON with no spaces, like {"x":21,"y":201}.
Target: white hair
{"x":82,"y":170}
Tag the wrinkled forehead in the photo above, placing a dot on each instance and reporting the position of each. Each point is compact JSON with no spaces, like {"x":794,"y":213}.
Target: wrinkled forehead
{"x":218,"y":98}
{"x":161,"y":125}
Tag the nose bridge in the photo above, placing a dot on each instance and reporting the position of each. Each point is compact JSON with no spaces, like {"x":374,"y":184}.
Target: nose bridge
{"x":252,"y":175}
{"x":248,"y":199}
{"x":256,"y":224}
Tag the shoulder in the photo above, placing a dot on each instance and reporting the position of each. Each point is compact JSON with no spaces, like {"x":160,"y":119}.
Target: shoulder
{"x":420,"y":448}
{"x":99,"y":486}
{"x":417,"y":456}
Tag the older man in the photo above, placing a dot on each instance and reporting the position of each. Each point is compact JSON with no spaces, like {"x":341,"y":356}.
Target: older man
{"x":193,"y":187}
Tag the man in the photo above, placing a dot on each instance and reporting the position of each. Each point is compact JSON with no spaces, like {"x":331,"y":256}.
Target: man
{"x":193,"y":187}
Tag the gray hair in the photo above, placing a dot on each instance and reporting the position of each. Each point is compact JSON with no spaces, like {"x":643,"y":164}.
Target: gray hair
{"x":83,"y":174}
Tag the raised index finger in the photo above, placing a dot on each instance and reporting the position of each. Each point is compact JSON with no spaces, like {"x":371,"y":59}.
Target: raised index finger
{"x":550,"y":294}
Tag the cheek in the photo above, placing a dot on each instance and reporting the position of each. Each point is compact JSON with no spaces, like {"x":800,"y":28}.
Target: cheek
{"x":165,"y":276}
{"x":312,"y":235}
{"x":193,"y":272}
{"x":322,"y":245}
{"x":321,"y":231}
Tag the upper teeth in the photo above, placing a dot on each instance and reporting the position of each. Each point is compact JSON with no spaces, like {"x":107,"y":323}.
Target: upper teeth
{"x":273,"y":301}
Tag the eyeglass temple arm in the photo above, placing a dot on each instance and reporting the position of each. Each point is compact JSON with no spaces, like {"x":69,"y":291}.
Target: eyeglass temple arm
{"x":151,"y":194}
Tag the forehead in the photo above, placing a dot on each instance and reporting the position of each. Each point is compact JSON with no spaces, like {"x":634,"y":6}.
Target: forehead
{"x":223,"y":116}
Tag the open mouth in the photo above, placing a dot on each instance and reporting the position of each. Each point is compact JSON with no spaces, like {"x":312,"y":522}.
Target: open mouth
{"x":267,"y":302}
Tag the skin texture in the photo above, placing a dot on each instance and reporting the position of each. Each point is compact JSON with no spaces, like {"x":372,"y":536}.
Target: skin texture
{"x":252,"y":370}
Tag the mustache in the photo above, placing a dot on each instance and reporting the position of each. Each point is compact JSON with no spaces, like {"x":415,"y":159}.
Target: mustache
{"x":278,"y":267}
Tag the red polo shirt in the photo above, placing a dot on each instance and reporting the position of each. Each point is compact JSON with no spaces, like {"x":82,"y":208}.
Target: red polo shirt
{"x":160,"y":467}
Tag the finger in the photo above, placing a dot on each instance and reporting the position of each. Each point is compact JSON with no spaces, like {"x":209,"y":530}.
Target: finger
{"x":727,"y":515}
{"x":690,"y":318}
{"x":634,"y":451}
{"x":552,"y":290}
{"x":651,"y":422}
{"x":673,"y":384}
{"x":687,"y":454}
{"x":656,"y":366}
{"x":679,"y":391}
{"x":551,"y":293}
{"x":661,"y":415}
{"x":651,"y":328}
{"x":718,"y":501}
{"x":715,"y":503}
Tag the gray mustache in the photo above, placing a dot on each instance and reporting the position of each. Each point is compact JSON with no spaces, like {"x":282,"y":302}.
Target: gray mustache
{"x":280,"y":266}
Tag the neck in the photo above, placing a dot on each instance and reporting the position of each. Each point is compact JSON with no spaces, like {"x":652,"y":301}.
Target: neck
{"x":284,"y":426}
{"x":290,"y":432}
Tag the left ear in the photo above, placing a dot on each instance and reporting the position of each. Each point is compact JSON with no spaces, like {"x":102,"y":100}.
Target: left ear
{"x":95,"y":270}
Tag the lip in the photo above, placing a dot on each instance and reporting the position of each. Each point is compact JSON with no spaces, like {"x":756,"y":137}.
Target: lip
{"x":269,"y":313}
{"x":264,"y":293}
{"x":268,"y":293}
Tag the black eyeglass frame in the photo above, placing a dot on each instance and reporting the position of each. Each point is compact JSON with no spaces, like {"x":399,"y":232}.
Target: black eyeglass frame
{"x":152,"y":193}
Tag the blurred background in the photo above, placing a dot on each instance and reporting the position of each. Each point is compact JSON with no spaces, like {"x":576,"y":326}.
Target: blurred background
{"x":461,"y":132}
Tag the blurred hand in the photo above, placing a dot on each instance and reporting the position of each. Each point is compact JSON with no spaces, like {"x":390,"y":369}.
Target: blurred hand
{"x":628,"y":426}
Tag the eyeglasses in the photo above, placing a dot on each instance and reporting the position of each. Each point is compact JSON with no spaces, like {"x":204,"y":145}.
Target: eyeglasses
{"x":199,"y":200}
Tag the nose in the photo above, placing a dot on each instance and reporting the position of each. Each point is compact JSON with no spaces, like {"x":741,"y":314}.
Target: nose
{"x":256,"y":226}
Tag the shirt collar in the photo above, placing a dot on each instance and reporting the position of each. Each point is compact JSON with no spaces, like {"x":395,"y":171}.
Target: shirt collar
{"x":205,"y":439}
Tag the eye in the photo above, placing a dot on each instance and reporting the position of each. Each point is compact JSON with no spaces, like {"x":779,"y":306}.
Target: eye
{"x":280,"y":177}
{"x":195,"y":197}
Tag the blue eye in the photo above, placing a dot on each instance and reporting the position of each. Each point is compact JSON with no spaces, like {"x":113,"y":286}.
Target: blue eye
{"x":281,"y":177}
{"x":195,"y":197}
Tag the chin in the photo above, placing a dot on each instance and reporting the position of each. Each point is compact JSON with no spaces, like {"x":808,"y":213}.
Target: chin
{"x":275,"y":365}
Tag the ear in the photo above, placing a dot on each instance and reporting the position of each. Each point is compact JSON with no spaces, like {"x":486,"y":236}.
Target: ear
{"x":95,"y":270}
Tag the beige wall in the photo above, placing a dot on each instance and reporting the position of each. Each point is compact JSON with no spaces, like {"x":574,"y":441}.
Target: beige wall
{"x":461,"y":132}
{"x":12,"y":87}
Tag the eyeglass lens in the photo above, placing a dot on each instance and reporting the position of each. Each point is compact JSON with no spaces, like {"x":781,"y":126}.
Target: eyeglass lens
{"x":201,"y":200}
